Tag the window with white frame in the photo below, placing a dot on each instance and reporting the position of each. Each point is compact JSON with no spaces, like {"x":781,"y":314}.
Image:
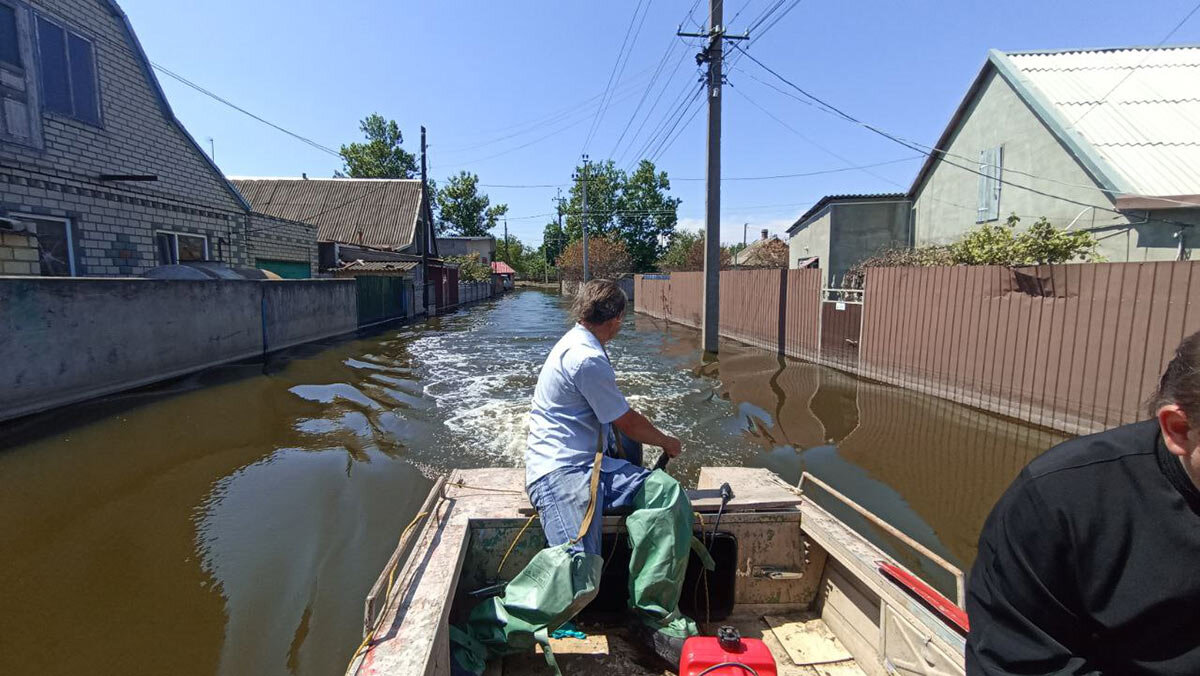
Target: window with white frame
{"x":988,"y":206}
{"x":68,"y":72}
{"x":56,"y":251}
{"x":180,"y":247}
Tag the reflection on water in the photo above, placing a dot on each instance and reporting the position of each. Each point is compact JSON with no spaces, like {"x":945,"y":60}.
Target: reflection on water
{"x":232,"y":522}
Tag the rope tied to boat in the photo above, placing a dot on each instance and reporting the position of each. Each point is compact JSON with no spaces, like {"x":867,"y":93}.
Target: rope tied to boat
{"x":387,"y":597}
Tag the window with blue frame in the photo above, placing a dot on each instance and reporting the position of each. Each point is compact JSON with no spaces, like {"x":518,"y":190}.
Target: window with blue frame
{"x":68,"y":72}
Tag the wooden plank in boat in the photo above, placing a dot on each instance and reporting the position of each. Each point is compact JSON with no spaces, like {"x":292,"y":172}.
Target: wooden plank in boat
{"x":754,"y":489}
{"x":807,"y":639}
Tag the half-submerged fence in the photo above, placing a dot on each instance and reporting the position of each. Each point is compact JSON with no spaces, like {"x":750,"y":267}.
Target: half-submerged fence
{"x":1075,"y":348}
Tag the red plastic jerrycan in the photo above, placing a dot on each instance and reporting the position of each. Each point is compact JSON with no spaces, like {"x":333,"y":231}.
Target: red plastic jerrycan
{"x":726,"y":654}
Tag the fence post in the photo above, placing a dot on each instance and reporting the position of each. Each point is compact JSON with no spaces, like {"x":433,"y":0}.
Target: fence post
{"x":783,"y":284}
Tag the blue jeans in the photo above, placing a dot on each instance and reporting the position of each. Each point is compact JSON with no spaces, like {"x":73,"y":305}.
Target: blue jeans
{"x":561,"y":498}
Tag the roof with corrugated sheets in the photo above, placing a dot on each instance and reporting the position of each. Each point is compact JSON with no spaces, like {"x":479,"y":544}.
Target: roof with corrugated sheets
{"x":376,"y":212}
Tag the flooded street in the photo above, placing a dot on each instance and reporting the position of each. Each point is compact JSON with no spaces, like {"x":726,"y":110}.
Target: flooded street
{"x":232,"y":522}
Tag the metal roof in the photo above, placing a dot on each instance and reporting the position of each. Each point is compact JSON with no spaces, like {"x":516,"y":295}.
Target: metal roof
{"x":377,"y":266}
{"x":850,"y":198}
{"x":374,"y":212}
{"x":1138,"y":109}
{"x":502,"y":268}
{"x":1129,"y":116}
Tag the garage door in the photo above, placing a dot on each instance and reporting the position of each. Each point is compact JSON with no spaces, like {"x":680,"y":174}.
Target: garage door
{"x":285,"y":269}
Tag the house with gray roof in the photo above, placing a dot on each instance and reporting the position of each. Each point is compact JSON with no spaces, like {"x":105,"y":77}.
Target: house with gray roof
{"x":1104,"y":140}
{"x":364,"y":227}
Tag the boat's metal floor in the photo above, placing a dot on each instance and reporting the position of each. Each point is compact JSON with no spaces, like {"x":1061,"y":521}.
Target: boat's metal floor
{"x":609,"y":650}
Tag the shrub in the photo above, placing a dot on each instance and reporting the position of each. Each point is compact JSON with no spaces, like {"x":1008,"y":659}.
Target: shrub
{"x":607,"y":258}
{"x":989,"y":244}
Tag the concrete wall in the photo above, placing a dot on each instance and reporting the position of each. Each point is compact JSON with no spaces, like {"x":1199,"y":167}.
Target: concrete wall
{"x":861,"y":230}
{"x":811,"y":239}
{"x":462,"y":246}
{"x":945,"y":204}
{"x":65,"y":340}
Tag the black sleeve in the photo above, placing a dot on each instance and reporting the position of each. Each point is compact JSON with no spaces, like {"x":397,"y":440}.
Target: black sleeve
{"x":1022,"y":596}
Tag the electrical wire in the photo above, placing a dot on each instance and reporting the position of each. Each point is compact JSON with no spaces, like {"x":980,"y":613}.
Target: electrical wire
{"x":645,"y":94}
{"x":1139,"y":65}
{"x":183,"y":80}
{"x":622,"y":57}
{"x":650,"y":112}
{"x":668,"y":140}
{"x":837,"y":112}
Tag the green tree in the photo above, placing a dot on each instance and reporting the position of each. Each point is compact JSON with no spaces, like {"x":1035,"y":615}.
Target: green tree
{"x":471,"y":268}
{"x":604,"y":186}
{"x":381,"y":156}
{"x":463,"y":210}
{"x":553,"y":242}
{"x":647,"y":215}
{"x":676,"y":256}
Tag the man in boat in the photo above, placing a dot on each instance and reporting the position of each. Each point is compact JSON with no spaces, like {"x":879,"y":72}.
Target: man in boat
{"x":576,"y":407}
{"x":1090,"y":562}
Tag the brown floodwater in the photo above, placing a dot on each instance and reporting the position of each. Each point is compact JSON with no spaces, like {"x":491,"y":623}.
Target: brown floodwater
{"x":231,"y":522}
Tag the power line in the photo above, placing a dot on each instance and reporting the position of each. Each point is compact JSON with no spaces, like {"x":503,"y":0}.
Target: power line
{"x":645,"y":94}
{"x":677,"y":110}
{"x":622,"y":58}
{"x":1139,"y":65}
{"x":927,"y":150}
{"x":654,"y":106}
{"x":837,"y":112}
{"x":770,"y":177}
{"x":670,"y":140}
{"x":227,"y":102}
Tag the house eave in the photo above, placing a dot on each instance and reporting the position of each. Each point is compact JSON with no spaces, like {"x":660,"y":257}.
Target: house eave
{"x":1156,"y":203}
{"x":165,"y":105}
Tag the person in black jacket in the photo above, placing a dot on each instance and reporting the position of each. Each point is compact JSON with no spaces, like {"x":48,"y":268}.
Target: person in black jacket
{"x":1090,"y":562}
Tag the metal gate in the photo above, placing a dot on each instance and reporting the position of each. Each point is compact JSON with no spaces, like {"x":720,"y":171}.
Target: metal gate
{"x":841,"y":325}
{"x":381,"y":298}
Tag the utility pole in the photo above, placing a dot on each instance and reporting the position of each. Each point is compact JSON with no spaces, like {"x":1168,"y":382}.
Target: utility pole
{"x":586,"y":275}
{"x":559,"y":241}
{"x":507,"y":257}
{"x":710,"y":322}
{"x":429,"y":226}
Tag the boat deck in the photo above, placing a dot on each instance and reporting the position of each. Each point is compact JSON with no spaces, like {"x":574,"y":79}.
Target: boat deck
{"x":803,"y":646}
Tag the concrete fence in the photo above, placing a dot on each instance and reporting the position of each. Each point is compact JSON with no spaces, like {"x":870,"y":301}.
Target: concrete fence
{"x":1076,"y":348}
{"x":470,"y":292}
{"x":64,"y":340}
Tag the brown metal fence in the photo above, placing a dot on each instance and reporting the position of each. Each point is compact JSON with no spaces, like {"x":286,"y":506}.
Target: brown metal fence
{"x":1076,"y":348}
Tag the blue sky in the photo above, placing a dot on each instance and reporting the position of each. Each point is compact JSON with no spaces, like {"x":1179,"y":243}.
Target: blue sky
{"x":510,"y":90}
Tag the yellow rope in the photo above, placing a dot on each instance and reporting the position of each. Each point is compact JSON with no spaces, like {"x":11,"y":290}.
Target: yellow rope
{"x":387,"y":596}
{"x":460,"y":484}
{"x":514,"y":543}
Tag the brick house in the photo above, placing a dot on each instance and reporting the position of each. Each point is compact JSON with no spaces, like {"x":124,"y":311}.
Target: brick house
{"x":97,"y":176}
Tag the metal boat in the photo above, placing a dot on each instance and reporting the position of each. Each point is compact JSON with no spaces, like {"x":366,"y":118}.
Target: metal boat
{"x":823,"y":598}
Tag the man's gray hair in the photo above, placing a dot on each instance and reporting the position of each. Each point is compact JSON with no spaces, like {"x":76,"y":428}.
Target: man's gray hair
{"x":1180,"y":383}
{"x":598,"y":301}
